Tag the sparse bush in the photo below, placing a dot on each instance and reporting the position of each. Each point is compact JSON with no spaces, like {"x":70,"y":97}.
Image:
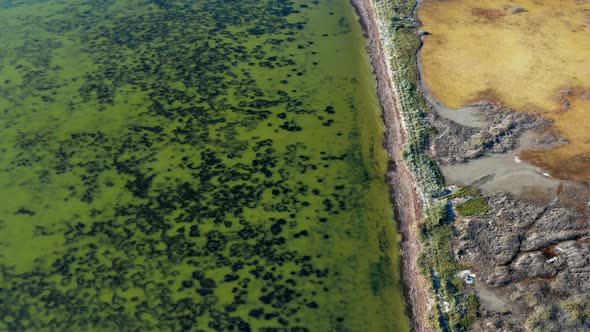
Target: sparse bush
{"x":465,"y":192}
{"x":476,"y":206}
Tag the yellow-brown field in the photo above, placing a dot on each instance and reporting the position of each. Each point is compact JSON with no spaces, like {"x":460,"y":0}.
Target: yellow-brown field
{"x":531,"y":55}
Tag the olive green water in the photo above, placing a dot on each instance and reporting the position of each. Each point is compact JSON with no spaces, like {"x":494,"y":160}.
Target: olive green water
{"x":192,"y":165}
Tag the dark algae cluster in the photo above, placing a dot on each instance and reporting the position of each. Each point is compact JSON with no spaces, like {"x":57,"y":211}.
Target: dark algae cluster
{"x":206,"y":165}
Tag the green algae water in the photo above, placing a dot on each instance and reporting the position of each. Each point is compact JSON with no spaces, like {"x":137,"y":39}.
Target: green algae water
{"x":206,"y":165}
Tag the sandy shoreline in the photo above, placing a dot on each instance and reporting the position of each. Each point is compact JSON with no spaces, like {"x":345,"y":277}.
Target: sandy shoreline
{"x":407,"y":202}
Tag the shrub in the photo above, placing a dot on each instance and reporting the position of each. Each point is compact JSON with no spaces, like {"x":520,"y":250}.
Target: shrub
{"x":476,"y":206}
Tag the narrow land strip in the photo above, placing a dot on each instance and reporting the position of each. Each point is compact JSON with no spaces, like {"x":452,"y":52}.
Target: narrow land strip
{"x":407,"y":202}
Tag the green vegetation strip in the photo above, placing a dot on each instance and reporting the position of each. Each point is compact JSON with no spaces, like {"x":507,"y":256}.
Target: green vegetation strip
{"x":437,"y":260}
{"x":404,"y":47}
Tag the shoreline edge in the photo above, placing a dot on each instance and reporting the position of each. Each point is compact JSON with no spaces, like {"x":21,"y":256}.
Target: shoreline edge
{"x":407,"y":198}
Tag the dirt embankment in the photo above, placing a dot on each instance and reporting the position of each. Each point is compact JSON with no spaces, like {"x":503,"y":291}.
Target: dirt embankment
{"x":408,"y":206}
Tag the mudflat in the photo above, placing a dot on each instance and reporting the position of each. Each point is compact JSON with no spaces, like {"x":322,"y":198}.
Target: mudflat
{"x":517,"y":75}
{"x":530,"y":56}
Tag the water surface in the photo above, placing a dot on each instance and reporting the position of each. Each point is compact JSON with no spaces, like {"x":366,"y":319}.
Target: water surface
{"x":192,"y":165}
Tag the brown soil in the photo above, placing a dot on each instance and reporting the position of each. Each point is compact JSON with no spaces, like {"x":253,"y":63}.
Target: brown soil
{"x":489,"y":15}
{"x":408,"y":206}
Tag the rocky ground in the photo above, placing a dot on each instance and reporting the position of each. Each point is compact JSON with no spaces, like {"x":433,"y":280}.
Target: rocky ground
{"x":531,"y":253}
{"x":455,"y":143}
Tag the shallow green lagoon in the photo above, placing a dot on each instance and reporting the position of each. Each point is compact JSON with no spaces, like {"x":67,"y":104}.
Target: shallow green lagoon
{"x":192,"y":165}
